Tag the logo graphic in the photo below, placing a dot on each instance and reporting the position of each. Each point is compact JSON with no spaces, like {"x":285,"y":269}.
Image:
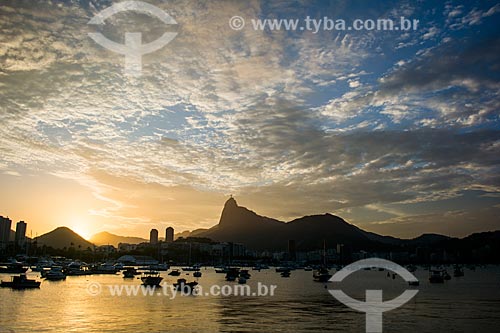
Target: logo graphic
{"x":236,"y":23}
{"x":133,"y":49}
{"x":374,"y":306}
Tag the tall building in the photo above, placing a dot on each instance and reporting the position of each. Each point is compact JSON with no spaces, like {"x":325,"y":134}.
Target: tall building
{"x":5,"y":224}
{"x":20,"y":233}
{"x":169,"y":235}
{"x":153,"y":236}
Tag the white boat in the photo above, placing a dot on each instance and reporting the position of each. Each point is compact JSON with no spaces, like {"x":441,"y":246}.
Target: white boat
{"x":282,"y":269}
{"x":222,"y":270}
{"x":55,"y":274}
{"x":37,"y":268}
{"x":77,"y":268}
{"x":43,"y":264}
{"x":258,"y":267}
{"x":13,"y":266}
{"x":105,"y":269}
{"x":160,"y":267}
{"x":119,"y":266}
{"x":151,"y":278}
{"x":193,"y":268}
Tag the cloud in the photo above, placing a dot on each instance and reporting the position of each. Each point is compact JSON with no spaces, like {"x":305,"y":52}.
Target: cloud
{"x":474,"y":17}
{"x":447,"y":65}
{"x":354,"y":84}
{"x":431,"y":32}
{"x":281,"y":119}
{"x":460,"y":86}
{"x":452,"y":223}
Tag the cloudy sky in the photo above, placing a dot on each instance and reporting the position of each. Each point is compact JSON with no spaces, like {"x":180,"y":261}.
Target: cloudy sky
{"x":397,"y":132}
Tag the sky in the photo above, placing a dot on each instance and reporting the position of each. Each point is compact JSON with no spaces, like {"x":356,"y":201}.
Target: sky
{"x":398,"y":132}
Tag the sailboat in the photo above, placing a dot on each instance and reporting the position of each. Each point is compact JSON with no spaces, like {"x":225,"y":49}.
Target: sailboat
{"x":458,"y":272}
{"x":193,"y":268}
{"x":436,"y":276}
{"x":322,"y":274}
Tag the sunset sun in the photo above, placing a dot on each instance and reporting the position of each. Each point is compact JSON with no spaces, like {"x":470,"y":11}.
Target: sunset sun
{"x":81,"y":227}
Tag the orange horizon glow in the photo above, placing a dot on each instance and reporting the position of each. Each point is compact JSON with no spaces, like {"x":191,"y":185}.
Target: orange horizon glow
{"x":46,"y":202}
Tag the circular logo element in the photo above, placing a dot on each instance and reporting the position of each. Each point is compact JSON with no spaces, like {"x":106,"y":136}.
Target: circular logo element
{"x":374,"y":305}
{"x":94,"y":288}
{"x":133,"y":49}
{"x":236,"y":23}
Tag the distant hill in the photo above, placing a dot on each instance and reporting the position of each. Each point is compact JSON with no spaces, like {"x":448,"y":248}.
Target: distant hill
{"x":388,"y":240}
{"x":429,"y":239}
{"x":105,"y":238}
{"x":63,"y":237}
{"x":187,"y":233}
{"x":241,"y":225}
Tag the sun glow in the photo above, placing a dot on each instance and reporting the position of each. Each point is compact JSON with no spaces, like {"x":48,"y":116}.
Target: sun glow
{"x":79,"y":226}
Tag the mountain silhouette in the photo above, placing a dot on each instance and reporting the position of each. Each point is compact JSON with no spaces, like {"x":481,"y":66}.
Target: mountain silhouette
{"x":241,"y":225}
{"x":107,"y":238}
{"x":429,"y":239}
{"x":187,"y":233}
{"x":63,"y":237}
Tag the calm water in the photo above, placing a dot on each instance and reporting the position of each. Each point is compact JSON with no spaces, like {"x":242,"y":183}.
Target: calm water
{"x":464,"y":304}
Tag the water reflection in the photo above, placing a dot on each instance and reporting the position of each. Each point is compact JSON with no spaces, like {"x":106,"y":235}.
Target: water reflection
{"x":299,"y":305}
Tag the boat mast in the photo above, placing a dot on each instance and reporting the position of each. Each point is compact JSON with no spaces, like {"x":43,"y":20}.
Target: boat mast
{"x":324,"y":252}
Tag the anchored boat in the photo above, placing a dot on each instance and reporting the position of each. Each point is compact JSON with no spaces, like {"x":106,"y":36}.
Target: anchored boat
{"x":151,"y":278}
{"x":21,"y":282}
{"x":186,"y":287}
